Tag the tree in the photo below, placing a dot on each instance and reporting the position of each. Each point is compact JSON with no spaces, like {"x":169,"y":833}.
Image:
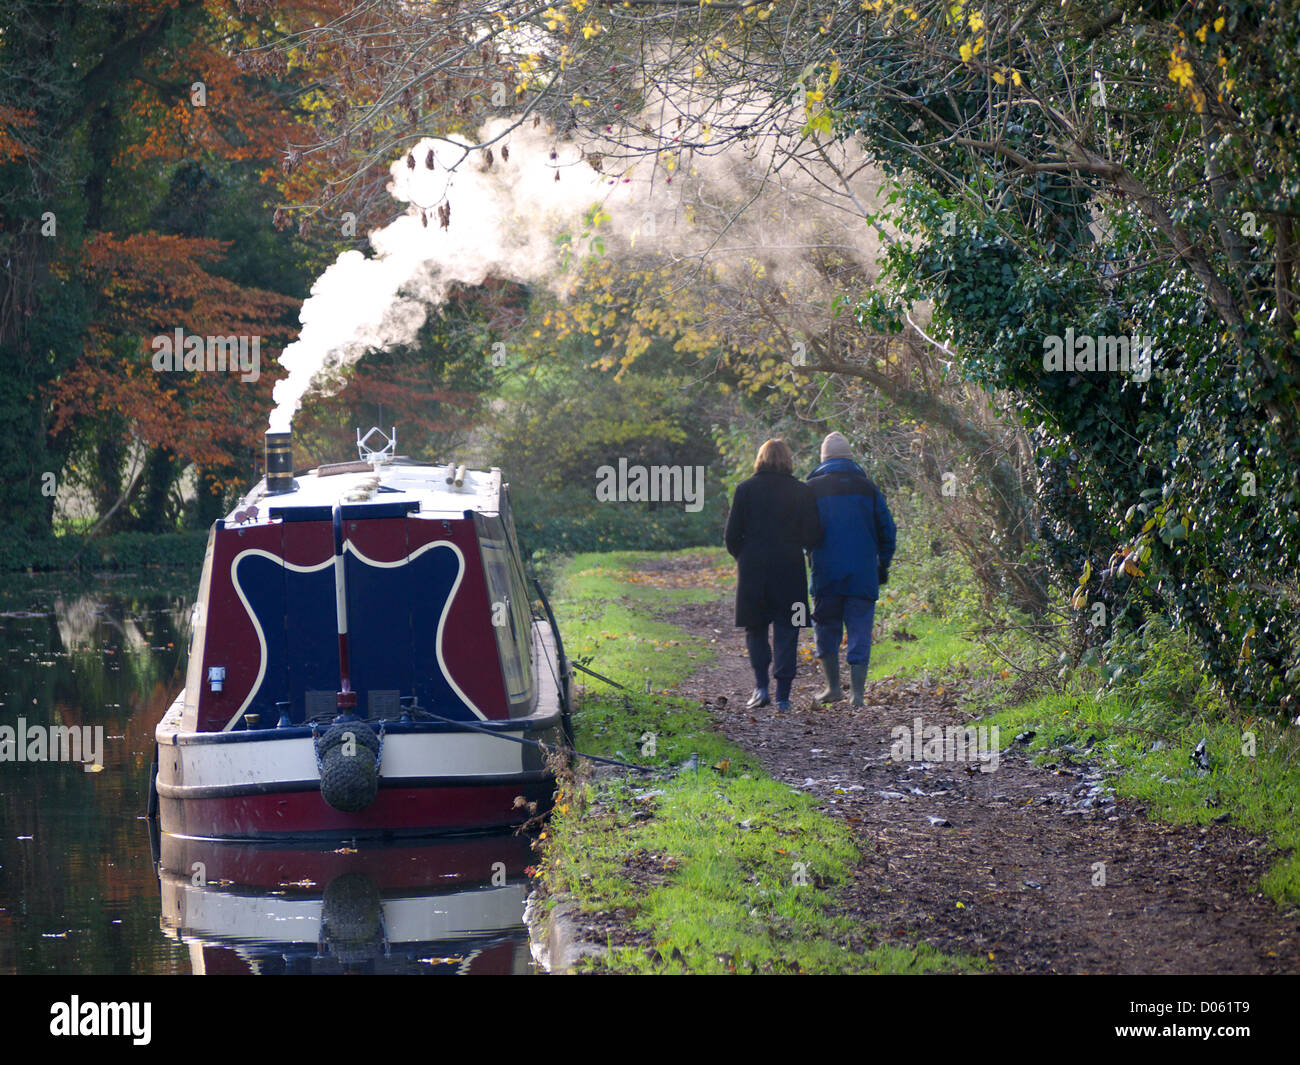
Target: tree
{"x":123,"y":119}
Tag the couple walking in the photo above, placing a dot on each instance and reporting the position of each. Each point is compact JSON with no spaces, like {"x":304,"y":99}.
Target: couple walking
{"x":840,"y":517}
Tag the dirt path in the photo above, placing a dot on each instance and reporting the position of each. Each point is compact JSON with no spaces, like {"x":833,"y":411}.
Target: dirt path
{"x":1001,"y":863}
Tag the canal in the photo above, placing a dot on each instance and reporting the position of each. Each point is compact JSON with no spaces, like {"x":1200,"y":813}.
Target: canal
{"x":87,"y":667}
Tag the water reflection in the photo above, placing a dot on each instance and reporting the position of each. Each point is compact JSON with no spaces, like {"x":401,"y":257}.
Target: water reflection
{"x":451,"y":906}
{"x":79,"y":887}
{"x":77,"y":884}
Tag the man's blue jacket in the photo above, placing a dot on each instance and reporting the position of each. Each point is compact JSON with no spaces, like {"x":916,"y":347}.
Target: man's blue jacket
{"x":859,"y":535}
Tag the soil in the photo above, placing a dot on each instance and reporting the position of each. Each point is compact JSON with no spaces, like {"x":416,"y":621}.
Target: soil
{"x":1003,"y":864}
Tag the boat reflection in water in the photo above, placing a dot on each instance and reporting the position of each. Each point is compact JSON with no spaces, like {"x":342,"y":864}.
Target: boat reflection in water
{"x":451,"y":905}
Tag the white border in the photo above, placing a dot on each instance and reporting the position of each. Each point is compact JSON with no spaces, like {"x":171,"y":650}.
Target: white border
{"x":348,"y":546}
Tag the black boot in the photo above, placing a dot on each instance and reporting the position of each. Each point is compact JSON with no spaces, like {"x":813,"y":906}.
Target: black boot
{"x":858,"y":682}
{"x":832,"y":693}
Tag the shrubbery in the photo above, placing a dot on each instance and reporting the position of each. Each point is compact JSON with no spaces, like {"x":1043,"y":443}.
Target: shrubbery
{"x":125,"y":551}
{"x":569,"y":520}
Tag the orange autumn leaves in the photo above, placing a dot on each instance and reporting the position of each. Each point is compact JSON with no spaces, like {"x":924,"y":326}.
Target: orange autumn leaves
{"x":150,"y":284}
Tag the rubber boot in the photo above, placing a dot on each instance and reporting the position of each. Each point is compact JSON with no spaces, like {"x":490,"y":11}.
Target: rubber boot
{"x":832,"y":693}
{"x":858,"y":682}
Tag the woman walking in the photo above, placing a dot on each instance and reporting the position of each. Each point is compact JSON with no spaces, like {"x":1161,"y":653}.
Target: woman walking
{"x":773,"y":520}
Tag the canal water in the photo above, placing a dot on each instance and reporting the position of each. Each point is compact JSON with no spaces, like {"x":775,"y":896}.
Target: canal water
{"x":85,"y":887}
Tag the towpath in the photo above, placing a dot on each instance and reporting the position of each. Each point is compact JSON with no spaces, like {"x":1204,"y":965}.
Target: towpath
{"x":1007,"y":865}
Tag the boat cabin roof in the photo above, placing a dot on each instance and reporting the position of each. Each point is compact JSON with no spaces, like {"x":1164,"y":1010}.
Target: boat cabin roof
{"x":394,"y":481}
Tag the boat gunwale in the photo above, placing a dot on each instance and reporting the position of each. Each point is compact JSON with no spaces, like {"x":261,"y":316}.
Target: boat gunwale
{"x":392,"y":727}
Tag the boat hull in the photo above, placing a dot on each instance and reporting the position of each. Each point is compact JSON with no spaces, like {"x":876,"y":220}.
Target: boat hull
{"x":396,"y":812}
{"x":434,"y":778}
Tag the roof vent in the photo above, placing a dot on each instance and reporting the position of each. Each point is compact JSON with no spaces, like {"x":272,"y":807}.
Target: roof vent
{"x":377,"y":446}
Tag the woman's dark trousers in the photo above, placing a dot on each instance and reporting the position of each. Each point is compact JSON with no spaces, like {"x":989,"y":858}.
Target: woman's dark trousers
{"x":785,"y":638}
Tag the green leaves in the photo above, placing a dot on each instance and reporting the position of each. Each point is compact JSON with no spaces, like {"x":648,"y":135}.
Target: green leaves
{"x":1184,"y":481}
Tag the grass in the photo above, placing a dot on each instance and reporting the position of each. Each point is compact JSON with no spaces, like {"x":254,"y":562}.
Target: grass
{"x":723,"y":868}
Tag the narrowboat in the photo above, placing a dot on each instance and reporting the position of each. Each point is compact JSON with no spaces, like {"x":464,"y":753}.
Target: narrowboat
{"x":365,"y":660}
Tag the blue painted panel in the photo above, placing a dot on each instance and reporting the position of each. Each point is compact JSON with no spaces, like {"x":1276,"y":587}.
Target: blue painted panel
{"x":295,"y":612}
{"x":440,"y":569}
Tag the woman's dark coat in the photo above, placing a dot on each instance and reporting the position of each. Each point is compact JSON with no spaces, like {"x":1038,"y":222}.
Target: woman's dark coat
{"x":773,"y":518}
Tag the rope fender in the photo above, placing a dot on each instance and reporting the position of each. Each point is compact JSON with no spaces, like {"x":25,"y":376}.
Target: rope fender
{"x":348,"y":757}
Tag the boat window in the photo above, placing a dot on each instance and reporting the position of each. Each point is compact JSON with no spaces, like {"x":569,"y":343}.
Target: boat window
{"x":509,"y":612}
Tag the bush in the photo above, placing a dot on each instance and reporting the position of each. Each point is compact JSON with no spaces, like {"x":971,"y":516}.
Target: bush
{"x":124,"y":551}
{"x":569,"y":520}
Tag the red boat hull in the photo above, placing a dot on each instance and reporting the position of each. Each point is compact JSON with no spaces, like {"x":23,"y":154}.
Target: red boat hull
{"x":396,"y":811}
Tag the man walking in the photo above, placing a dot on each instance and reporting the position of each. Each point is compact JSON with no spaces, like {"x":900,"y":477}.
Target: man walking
{"x":849,"y":566}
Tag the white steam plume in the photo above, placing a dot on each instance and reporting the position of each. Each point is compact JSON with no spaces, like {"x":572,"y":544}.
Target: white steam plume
{"x":504,"y":220}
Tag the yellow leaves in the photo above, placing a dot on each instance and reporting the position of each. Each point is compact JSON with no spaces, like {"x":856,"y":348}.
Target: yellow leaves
{"x":1219,"y":23}
{"x":971,"y":49}
{"x":1180,"y":70}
